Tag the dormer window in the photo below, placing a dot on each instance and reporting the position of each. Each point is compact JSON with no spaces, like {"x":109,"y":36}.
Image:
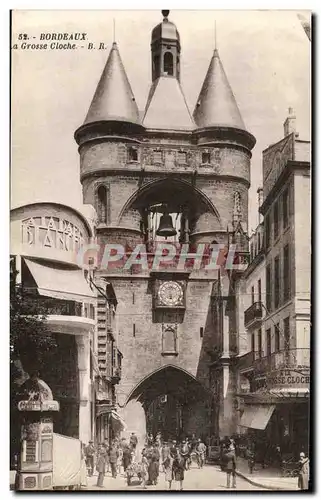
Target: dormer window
{"x":132,"y":154}
{"x":206,"y":158}
{"x":168,"y":64}
{"x":181,"y":157}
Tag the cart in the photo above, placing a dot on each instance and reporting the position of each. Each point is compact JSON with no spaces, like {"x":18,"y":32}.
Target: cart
{"x":289,"y":467}
{"x":134,"y":470}
{"x":214,"y":454}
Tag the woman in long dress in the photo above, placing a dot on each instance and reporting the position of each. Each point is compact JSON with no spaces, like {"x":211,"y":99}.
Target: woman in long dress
{"x":101,"y":465}
{"x":178,"y":469}
{"x":154,"y":466}
{"x":303,"y":482}
{"x":168,"y":469}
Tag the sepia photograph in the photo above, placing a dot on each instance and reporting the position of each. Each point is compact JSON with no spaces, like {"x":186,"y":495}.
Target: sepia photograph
{"x":160,"y":250}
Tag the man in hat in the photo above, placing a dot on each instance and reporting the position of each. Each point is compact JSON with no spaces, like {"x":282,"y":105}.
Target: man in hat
{"x":201,"y":453}
{"x":89,"y":454}
{"x":184,"y":449}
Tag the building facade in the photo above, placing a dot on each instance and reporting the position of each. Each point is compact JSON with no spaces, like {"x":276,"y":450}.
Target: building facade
{"x":45,"y":239}
{"x":167,"y":174}
{"x":278,"y":400}
{"x":85,"y":365}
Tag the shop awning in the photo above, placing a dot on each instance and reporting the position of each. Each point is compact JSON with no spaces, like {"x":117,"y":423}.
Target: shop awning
{"x":117,"y":421}
{"x":58,"y":283}
{"x":257,"y":417}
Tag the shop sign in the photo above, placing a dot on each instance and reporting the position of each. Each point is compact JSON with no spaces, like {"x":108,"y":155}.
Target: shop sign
{"x":289,"y":378}
{"x":51,"y":232}
{"x":38,"y":406}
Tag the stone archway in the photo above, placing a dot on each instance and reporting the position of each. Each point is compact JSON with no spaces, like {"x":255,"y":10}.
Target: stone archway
{"x":175,"y":403}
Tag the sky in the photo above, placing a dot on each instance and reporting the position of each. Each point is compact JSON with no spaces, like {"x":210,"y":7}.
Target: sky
{"x":265,"y":54}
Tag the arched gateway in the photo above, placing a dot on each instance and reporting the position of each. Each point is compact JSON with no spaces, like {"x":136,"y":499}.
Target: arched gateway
{"x":175,"y":402}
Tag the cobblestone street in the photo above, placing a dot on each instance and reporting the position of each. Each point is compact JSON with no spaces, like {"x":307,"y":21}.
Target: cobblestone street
{"x":208,"y":478}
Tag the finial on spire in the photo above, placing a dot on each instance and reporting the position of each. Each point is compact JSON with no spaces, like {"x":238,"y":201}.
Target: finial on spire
{"x":215,"y":41}
{"x":114,"y":30}
{"x":165,"y":13}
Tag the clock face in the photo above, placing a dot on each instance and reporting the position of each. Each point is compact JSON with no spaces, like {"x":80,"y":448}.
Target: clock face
{"x":170,"y":293}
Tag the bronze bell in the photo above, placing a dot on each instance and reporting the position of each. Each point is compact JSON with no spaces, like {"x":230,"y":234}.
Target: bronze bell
{"x":166,"y":226}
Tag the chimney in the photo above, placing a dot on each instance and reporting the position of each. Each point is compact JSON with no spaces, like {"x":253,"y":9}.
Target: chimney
{"x":290,"y":123}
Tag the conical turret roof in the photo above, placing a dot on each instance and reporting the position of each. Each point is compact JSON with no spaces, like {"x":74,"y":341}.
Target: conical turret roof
{"x":114,"y":98}
{"x":216,"y":105}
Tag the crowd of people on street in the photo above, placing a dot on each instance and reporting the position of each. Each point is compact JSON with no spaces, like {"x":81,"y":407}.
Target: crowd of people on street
{"x":171,"y":458}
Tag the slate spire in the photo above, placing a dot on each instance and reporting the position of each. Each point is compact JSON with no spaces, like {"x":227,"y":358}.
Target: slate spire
{"x":114,"y":99}
{"x":216,"y":105}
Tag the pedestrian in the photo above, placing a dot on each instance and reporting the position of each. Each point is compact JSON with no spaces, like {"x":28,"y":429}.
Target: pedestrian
{"x":193,"y":442}
{"x":89,"y":456}
{"x":153,"y":471}
{"x":127,"y":457}
{"x":250,"y":457}
{"x":168,"y":469}
{"x":101,"y":465}
{"x":113,"y":458}
{"x":119,"y":459}
{"x":304,"y":472}
{"x":83,"y":473}
{"x":230,"y":466}
{"x":178,"y":469}
{"x":164,"y":452}
{"x":150,"y":439}
{"x":133,"y":440}
{"x":158,"y":440}
{"x":201,"y":453}
{"x":106,"y":445}
{"x":144,"y":469}
{"x":184,"y":450}
{"x":173,"y":449}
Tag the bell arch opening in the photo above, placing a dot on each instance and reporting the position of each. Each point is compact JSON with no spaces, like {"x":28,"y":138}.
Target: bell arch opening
{"x":175,"y":403}
{"x":169,"y":210}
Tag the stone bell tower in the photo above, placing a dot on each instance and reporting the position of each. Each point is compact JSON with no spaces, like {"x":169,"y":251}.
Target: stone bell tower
{"x":194,"y":170}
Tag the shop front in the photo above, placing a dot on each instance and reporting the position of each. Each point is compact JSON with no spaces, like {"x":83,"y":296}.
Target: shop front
{"x":45,"y":241}
{"x":276,"y":412}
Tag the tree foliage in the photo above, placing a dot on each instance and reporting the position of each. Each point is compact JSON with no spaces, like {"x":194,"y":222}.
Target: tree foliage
{"x":30,"y":338}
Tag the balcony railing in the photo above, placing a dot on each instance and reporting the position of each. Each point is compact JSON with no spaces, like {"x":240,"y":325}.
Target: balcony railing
{"x":286,"y":359}
{"x":253,"y":314}
{"x":246,"y":361}
{"x":51,"y":306}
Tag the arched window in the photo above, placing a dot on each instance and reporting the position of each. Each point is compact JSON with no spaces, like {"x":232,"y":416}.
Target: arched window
{"x":102,"y":204}
{"x":168,"y":63}
{"x":169,"y":341}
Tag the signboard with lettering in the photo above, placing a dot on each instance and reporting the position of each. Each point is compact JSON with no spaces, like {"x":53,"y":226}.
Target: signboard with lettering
{"x":38,"y":405}
{"x":51,"y":232}
{"x":289,"y":378}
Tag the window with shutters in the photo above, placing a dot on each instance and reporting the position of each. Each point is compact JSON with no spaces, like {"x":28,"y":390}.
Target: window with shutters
{"x":285,"y":206}
{"x":276,"y":282}
{"x":267,"y":230}
{"x":276,"y":219}
{"x":277,"y":337}
{"x":268,"y":342}
{"x":259,"y":341}
{"x":286,"y":273}
{"x":268,"y":288}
